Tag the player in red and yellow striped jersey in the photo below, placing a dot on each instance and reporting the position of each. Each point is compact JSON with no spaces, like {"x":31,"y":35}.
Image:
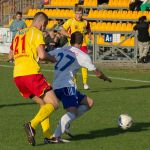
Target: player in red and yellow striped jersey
{"x":78,"y":24}
{"x":26,"y":49}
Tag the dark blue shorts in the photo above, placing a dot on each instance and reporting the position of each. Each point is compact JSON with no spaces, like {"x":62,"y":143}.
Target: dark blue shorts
{"x":69,"y":96}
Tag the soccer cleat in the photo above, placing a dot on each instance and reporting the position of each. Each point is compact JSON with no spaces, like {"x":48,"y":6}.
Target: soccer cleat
{"x":51,"y":140}
{"x":30,"y":133}
{"x":86,"y":87}
{"x":55,"y":140}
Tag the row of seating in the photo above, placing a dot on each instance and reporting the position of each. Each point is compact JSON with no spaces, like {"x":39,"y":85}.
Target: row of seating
{"x":63,"y":2}
{"x":117,"y":14}
{"x":49,"y":26}
{"x":119,"y":3}
{"x":97,"y":14}
{"x":72,"y":3}
{"x":108,"y":26}
{"x":98,"y":26}
{"x":90,"y":3}
{"x":52,"y":12}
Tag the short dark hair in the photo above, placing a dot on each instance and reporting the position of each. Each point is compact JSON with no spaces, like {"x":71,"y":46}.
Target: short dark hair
{"x":19,"y":13}
{"x":78,"y":8}
{"x":142,"y":18}
{"x":41,"y":15}
{"x":76,"y":38}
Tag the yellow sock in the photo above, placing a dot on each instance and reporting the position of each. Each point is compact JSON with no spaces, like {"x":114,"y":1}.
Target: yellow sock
{"x":43,"y":113}
{"x":84,"y":75}
{"x":46,"y":128}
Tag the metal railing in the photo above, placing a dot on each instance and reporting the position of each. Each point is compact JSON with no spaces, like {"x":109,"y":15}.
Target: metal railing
{"x":115,"y":52}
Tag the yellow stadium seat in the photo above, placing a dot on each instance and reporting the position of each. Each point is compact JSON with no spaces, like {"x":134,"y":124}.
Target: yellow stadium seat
{"x":118,"y":26}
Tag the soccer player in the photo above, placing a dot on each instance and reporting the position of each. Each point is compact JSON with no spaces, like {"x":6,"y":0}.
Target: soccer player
{"x":26,"y":49}
{"x":82,"y":25}
{"x":69,"y":60}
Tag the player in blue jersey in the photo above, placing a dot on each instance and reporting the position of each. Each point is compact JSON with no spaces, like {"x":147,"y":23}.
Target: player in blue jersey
{"x":69,"y":60}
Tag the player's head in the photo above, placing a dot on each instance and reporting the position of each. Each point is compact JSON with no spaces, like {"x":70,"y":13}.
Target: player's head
{"x":76,"y":39}
{"x":142,"y":18}
{"x":40,"y":21}
{"x":78,"y":12}
{"x":18,"y":15}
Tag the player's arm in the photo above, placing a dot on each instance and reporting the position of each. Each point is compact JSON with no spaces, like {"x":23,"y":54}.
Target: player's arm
{"x":101,"y":75}
{"x":44,"y":55}
{"x":10,"y":56}
{"x":88,"y":28}
{"x":40,"y":46}
{"x":85,"y":61}
{"x":65,"y":27}
{"x":64,"y":32}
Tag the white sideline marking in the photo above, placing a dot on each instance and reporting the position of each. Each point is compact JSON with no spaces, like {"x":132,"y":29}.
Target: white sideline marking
{"x":115,"y":78}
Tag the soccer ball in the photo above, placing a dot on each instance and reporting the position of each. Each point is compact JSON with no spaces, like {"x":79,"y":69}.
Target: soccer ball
{"x":125,"y":121}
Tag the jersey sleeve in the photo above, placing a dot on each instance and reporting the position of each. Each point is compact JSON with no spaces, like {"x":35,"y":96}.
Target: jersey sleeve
{"x":39,"y":40}
{"x":67,"y":24}
{"x":85,"y":61}
{"x":54,"y":52}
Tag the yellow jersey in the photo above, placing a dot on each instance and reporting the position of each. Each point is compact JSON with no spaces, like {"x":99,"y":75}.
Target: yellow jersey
{"x":73,"y":25}
{"x":24,"y":47}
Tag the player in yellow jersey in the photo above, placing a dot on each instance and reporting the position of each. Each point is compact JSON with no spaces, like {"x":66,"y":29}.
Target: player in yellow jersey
{"x":78,"y":24}
{"x":26,"y":49}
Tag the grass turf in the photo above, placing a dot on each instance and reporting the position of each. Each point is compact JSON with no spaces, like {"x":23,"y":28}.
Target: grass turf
{"x":97,"y":129}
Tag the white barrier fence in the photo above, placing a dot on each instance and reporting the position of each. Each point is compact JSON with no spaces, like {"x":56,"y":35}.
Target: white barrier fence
{"x":5,"y":40}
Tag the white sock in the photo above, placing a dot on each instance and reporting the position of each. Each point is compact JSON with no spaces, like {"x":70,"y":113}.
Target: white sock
{"x":81,"y":110}
{"x":64,"y":122}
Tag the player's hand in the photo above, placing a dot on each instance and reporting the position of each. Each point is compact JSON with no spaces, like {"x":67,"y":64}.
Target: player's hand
{"x":103,"y":77}
{"x":100,"y":75}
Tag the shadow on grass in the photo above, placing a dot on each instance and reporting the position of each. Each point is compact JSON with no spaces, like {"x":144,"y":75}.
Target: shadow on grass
{"x":137,"y":127}
{"x":17,"y":104}
{"x":120,"y":88}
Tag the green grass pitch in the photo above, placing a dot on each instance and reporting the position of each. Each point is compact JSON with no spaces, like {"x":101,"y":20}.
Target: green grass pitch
{"x":97,"y":129}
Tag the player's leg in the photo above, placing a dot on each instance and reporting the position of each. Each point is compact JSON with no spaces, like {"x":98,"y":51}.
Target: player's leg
{"x":22,"y":84}
{"x":75,"y":80}
{"x":42,"y":116}
{"x":65,"y":121}
{"x":70,"y":103}
{"x":85,"y":77}
{"x":45,"y":124}
{"x":50,"y":104}
{"x":140,"y":46}
{"x":145,"y":51}
{"x":84,"y":70}
{"x":30,"y":131}
{"x":45,"y":97}
{"x":85,"y":104}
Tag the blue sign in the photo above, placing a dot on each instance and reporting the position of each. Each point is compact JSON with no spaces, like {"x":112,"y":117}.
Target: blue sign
{"x":108,"y":37}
